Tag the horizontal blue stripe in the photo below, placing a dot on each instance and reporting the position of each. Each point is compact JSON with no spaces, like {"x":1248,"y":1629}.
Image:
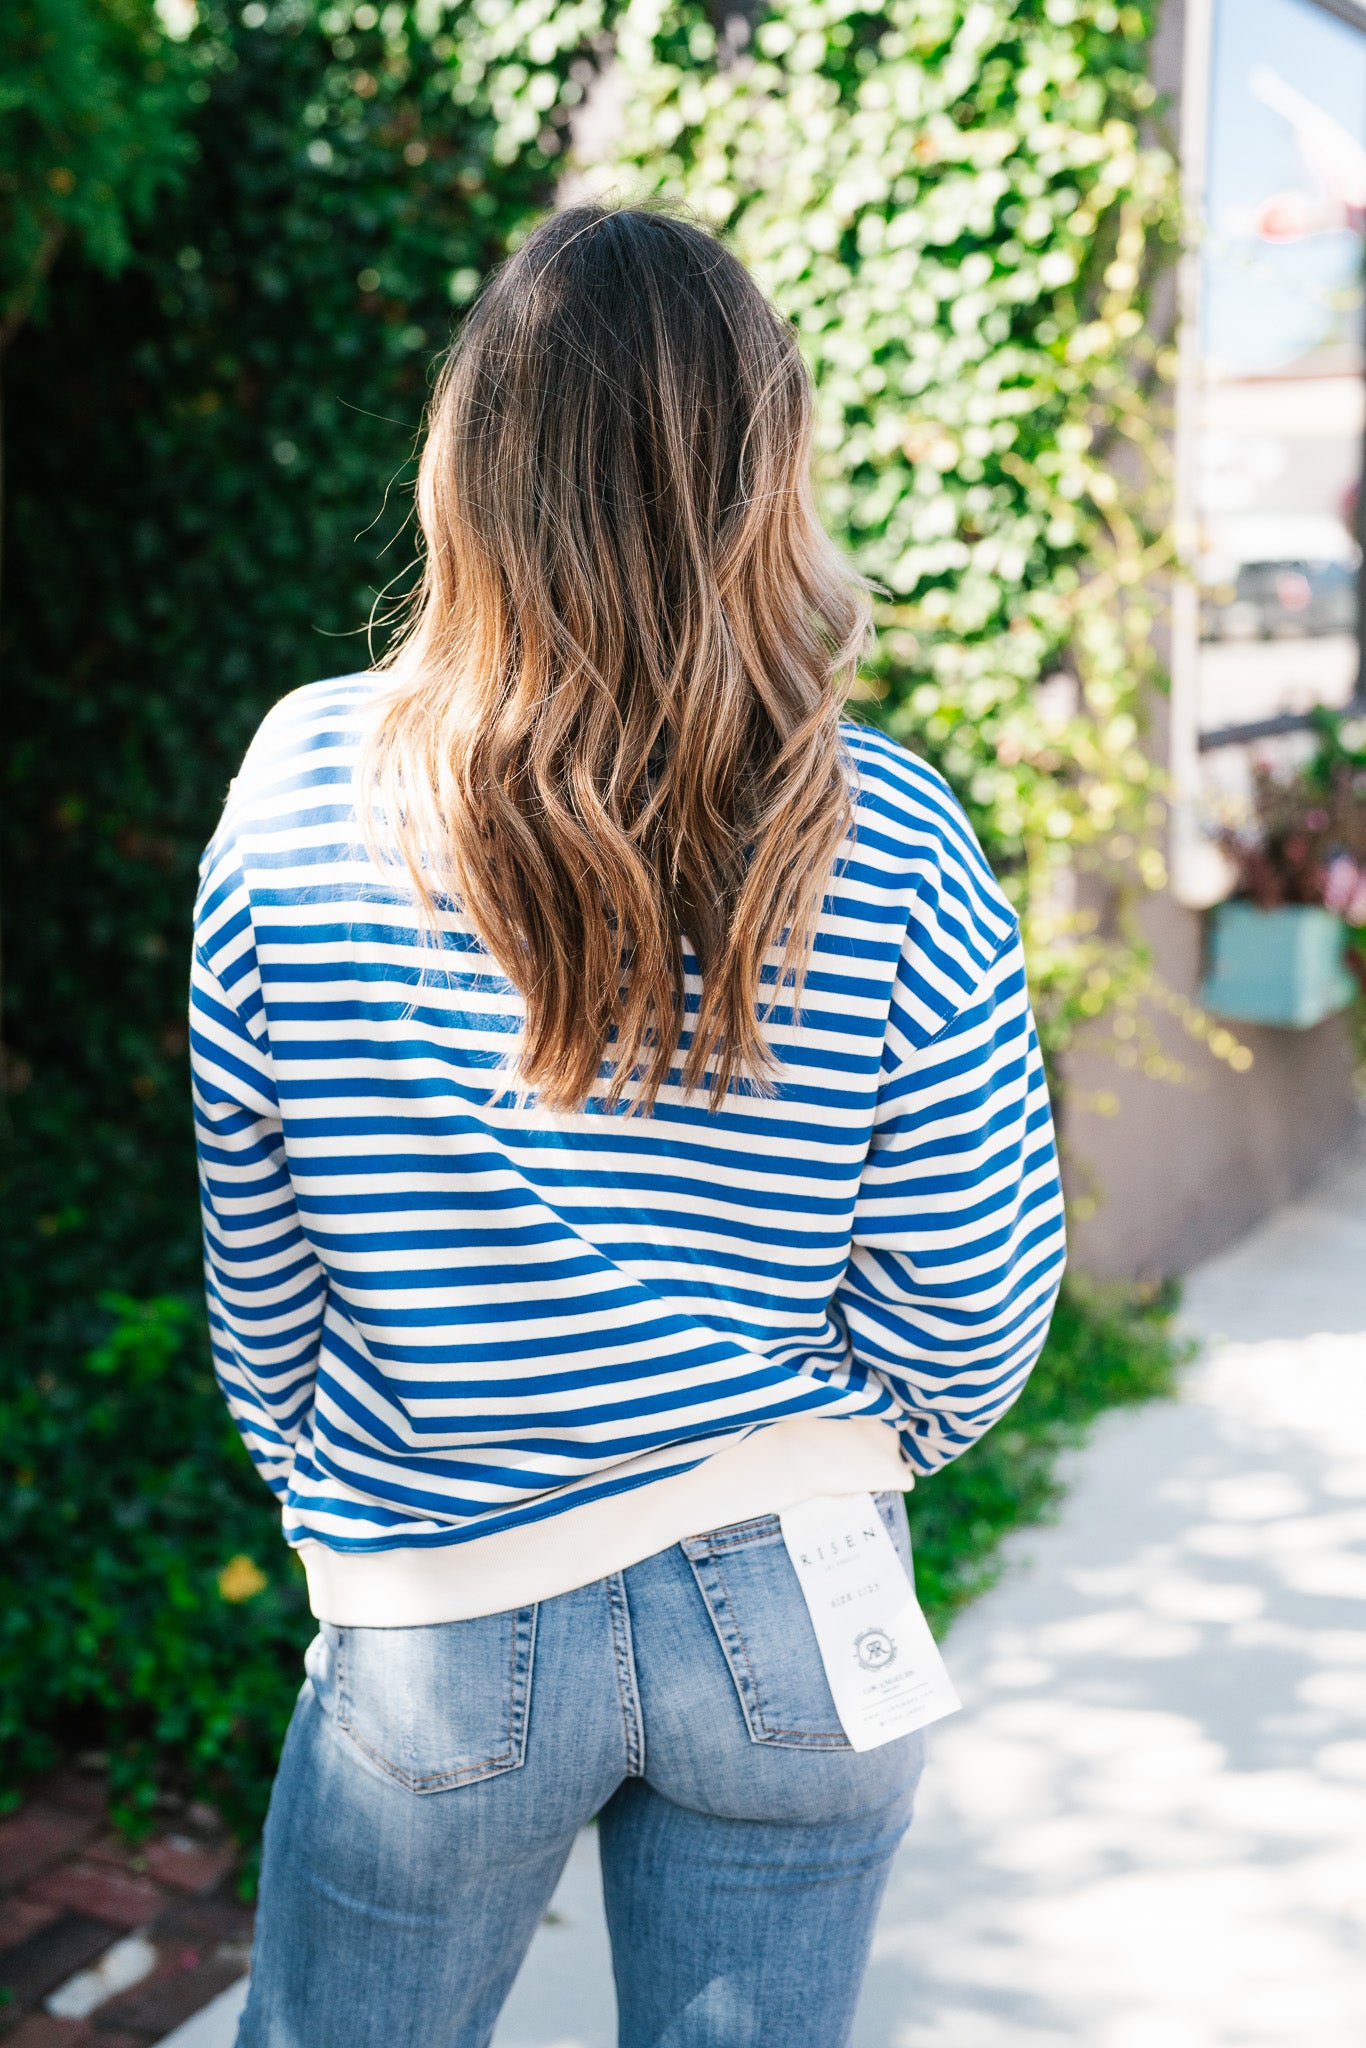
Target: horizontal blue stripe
{"x":879,"y":1234}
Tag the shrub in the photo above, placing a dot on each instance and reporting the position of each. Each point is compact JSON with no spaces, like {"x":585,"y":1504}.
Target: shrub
{"x":147,"y":1606}
{"x":207,"y":461}
{"x":93,"y":108}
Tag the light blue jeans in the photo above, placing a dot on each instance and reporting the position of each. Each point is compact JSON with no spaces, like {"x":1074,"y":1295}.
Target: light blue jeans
{"x":434,"y":1779}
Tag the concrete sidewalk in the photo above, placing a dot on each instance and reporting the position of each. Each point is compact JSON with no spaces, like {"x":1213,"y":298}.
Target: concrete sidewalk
{"x":1148,"y":1827}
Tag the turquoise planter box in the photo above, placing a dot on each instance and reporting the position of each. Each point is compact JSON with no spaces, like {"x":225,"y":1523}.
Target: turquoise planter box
{"x":1276,"y":966}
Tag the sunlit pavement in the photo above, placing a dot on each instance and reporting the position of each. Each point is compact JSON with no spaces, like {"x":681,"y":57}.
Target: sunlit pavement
{"x":1147,"y":1829}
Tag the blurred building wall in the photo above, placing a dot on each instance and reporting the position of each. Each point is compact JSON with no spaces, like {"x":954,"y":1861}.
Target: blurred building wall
{"x":1184,"y":1167}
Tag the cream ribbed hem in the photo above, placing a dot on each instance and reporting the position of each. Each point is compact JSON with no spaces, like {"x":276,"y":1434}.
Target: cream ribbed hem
{"x":773,"y":1469}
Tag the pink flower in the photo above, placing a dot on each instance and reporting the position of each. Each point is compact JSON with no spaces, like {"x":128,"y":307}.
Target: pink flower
{"x":1355,"y":913}
{"x":1343,"y":883}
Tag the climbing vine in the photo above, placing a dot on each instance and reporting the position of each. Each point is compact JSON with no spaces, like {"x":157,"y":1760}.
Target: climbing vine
{"x":959,"y":204}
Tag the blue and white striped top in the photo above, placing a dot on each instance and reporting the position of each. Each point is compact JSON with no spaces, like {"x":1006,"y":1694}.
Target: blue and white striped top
{"x":439,"y":1313}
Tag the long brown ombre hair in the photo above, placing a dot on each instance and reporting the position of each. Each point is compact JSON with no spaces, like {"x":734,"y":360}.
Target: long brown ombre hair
{"x":613,"y":720}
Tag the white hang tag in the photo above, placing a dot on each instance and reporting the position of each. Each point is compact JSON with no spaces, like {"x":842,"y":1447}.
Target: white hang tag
{"x":884,"y":1667}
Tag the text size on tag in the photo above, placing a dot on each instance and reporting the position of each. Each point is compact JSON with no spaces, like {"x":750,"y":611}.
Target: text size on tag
{"x":883,"y":1665}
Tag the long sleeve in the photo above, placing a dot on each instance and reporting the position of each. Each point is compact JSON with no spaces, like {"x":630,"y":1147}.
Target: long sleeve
{"x":958,"y":1242}
{"x":266,"y":1290}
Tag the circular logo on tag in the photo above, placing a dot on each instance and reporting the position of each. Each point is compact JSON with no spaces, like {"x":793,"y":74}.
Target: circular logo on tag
{"x":874,"y":1649}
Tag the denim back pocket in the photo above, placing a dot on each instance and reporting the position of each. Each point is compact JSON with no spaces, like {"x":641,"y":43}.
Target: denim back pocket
{"x":760,"y":1616}
{"x":431,"y":1707}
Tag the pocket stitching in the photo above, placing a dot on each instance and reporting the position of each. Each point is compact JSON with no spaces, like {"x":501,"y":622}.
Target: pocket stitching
{"x":509,"y":1758}
{"x":756,"y":1529}
{"x":761,"y":1730}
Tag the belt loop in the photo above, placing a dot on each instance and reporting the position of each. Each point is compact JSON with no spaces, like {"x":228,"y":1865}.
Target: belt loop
{"x":624,"y":1658}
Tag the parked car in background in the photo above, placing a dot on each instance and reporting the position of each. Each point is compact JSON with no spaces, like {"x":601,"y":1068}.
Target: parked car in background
{"x":1281,"y":600}
{"x":1278,"y":576}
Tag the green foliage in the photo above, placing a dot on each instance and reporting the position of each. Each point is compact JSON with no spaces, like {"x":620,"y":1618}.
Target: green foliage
{"x":1107,"y":1348}
{"x":130,"y":1520}
{"x":953,"y":201}
{"x":208,"y":463}
{"x":94,"y":100}
{"x":210,"y":457}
